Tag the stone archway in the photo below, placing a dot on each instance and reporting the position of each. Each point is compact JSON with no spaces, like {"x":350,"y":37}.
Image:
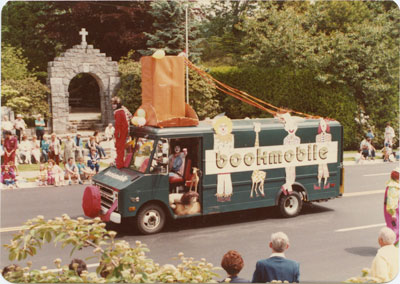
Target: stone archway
{"x":82,"y":58}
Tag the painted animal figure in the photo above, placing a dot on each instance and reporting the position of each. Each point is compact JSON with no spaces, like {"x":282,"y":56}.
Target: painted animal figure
{"x":195,"y":180}
{"x":257,"y":177}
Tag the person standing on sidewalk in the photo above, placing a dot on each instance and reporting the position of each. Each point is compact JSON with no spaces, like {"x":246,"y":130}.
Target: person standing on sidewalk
{"x":39,"y":125}
{"x":391,"y":203}
{"x":389,"y":135}
{"x":10,"y":147}
{"x":20,"y":126}
{"x":55,"y":149}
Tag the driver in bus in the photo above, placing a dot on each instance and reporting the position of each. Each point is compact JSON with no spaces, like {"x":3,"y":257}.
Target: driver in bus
{"x":176,"y":162}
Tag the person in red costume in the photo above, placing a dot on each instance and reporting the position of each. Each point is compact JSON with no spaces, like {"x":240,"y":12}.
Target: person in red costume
{"x":122,"y":117}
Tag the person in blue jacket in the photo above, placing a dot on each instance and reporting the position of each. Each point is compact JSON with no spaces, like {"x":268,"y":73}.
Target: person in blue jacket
{"x":277,"y":267}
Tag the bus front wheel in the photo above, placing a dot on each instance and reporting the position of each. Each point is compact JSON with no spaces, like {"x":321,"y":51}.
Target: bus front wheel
{"x":290,"y":205}
{"x":150,"y":219}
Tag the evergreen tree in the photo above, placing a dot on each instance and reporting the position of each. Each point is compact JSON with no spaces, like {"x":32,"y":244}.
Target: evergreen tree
{"x":169,"y":29}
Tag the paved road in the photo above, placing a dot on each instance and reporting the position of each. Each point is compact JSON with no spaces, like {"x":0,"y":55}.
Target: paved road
{"x":324,"y":238}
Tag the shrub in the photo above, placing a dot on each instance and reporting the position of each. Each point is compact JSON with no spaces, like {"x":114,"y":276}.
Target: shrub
{"x":119,"y":262}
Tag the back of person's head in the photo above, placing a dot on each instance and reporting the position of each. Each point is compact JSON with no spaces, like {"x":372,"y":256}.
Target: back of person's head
{"x":279,"y":241}
{"x":232,"y":262}
{"x":386,"y":236}
{"x":77,"y":265}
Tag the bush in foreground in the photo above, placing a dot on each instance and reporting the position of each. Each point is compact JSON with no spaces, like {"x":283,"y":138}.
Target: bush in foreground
{"x":119,"y":262}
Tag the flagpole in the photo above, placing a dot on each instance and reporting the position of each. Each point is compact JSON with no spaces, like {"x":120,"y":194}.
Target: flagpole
{"x":187,"y":54}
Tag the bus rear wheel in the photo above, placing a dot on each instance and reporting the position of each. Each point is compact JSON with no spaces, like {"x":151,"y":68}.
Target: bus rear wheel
{"x":150,"y":219}
{"x":290,"y":205}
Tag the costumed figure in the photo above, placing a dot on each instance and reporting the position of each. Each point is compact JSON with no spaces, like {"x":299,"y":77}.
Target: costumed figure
{"x":323,"y":136}
{"x":122,"y":117}
{"x":224,"y":144}
{"x":391,"y":203}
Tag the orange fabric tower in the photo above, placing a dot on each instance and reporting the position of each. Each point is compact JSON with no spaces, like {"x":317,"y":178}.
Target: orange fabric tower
{"x":163,"y":92}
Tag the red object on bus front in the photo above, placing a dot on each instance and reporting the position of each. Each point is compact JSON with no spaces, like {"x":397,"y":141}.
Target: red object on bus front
{"x":91,"y":201}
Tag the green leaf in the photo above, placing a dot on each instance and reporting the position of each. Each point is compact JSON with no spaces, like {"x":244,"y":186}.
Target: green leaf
{"x":48,"y":236}
{"x":12,"y":255}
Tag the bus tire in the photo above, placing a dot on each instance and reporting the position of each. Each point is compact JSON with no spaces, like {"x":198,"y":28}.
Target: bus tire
{"x":290,"y":205}
{"x":150,"y":219}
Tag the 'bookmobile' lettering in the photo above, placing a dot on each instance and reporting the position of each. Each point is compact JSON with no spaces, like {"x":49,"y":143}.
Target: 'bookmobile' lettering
{"x":270,"y":157}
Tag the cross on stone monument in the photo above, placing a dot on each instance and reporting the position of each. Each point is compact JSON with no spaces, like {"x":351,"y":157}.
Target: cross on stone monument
{"x":83,"y":33}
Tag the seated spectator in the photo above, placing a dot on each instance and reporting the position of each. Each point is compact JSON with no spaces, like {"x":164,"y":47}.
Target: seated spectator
{"x":79,"y":146}
{"x":385,"y":265}
{"x":77,"y":265}
{"x":367,"y":150}
{"x":232,"y":262}
{"x":386,"y":152}
{"x":100,"y":149}
{"x":109,"y":132}
{"x":45,"y":148}
{"x":43,"y":175}
{"x":94,"y":160}
{"x":25,"y":151}
{"x":85,"y":172}
{"x":8,"y":176}
{"x":36,"y":151}
{"x":71,"y":171}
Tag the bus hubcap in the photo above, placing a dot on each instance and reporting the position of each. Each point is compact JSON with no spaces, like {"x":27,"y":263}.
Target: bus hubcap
{"x":151,"y":219}
{"x":291,"y":205}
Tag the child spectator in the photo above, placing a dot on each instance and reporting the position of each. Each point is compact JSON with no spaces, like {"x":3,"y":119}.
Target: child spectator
{"x":55,"y":174}
{"x":71,"y":171}
{"x":8,"y":177}
{"x":94,"y":160}
{"x":43,"y":175}
{"x":85,"y":172}
{"x":54,"y":149}
{"x":359,"y":158}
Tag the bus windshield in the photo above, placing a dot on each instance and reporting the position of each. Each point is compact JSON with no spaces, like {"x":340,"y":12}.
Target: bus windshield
{"x":143,"y":147}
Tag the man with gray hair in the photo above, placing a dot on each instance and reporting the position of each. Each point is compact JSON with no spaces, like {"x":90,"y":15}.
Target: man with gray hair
{"x":277,"y":266}
{"x":385,"y":265}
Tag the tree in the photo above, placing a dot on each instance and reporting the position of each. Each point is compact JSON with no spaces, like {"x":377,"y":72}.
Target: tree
{"x":20,"y":90}
{"x":168,"y":29}
{"x":361,"y":54}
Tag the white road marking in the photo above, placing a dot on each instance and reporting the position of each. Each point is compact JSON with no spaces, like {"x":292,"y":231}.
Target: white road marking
{"x":360,"y":193}
{"x":360,"y":227}
{"x":374,"y":175}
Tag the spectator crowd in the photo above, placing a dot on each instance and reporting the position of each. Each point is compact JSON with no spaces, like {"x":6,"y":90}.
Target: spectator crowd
{"x":61,"y":161}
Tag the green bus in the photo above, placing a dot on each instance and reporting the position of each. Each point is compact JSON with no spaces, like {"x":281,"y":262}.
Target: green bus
{"x":226,"y":165}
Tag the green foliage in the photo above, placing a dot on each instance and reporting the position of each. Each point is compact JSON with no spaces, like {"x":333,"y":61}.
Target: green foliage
{"x":20,"y":90}
{"x":14,"y":65}
{"x":202,"y":96}
{"x":291,"y":89}
{"x":130,"y":87}
{"x":26,"y":96}
{"x":119,"y":262}
{"x":168,"y":29}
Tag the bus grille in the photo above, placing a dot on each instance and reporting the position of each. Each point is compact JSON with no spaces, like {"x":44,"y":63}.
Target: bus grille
{"x":108,"y":197}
